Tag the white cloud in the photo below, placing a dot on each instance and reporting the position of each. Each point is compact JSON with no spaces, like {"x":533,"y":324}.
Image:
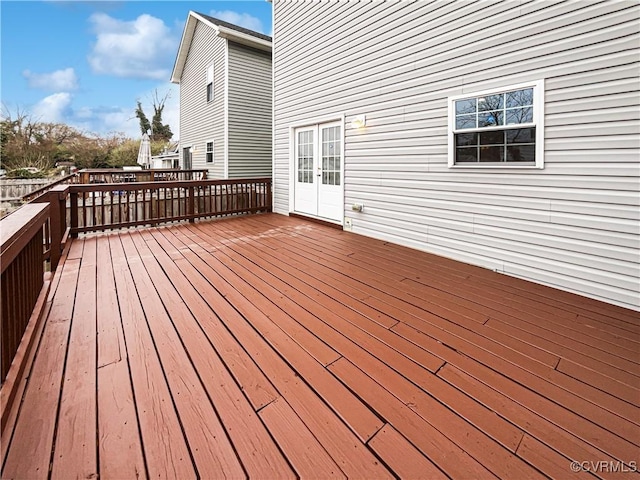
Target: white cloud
{"x":240,"y":19}
{"x":142,"y":48}
{"x":53,"y":108}
{"x":60,"y":80}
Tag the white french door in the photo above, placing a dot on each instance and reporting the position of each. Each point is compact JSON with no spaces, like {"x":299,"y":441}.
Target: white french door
{"x":318,"y":171}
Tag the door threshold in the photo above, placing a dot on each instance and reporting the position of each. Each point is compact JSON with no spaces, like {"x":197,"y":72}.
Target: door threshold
{"x":326,"y":223}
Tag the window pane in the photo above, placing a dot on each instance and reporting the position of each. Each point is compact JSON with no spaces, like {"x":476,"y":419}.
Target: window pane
{"x":521,"y":135}
{"x":466,"y":155}
{"x":466,"y":121}
{"x":330,"y":155}
{"x":521,"y":153}
{"x":520,"y":115}
{"x":337,"y":178}
{"x":305,"y":156}
{"x":491,"y":154}
{"x":491,"y":102}
{"x":492,"y":137}
{"x":491,"y":119}
{"x":520,"y":98}
{"x":466,"y":139}
{"x":467,"y":105}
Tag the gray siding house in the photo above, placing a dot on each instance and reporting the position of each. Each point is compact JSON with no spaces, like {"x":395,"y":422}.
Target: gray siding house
{"x":501,"y":134}
{"x":224,"y":72}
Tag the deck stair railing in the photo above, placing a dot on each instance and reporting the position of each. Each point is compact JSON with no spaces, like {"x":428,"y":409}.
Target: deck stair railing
{"x":33,"y":237}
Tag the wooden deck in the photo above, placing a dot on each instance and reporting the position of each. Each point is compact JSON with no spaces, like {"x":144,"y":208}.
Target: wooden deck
{"x":271,"y":347}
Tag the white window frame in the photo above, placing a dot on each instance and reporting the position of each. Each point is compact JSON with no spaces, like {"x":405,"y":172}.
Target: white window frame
{"x":209,"y":82}
{"x":207,"y":152}
{"x":538,"y":123}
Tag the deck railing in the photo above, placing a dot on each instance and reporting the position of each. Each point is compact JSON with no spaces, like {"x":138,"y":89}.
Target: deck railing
{"x":116,"y":175}
{"x":25,"y":244}
{"x":107,"y":206}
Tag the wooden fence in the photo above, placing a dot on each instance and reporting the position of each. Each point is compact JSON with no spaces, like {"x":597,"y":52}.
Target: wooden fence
{"x":12,"y":189}
{"x":72,"y":178}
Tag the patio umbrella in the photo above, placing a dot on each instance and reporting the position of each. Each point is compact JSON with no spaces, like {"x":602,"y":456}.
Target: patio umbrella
{"x":144,"y":154}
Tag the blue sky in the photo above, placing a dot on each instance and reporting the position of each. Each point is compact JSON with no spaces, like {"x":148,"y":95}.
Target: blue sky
{"x":85,"y":63}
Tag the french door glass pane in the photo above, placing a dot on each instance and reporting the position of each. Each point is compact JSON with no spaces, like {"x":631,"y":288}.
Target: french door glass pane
{"x":331,"y":156}
{"x":305,"y":156}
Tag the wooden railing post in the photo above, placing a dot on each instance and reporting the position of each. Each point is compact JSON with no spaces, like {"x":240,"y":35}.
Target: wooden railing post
{"x":58,"y":220}
{"x":74,"y":215}
{"x":191,"y":202}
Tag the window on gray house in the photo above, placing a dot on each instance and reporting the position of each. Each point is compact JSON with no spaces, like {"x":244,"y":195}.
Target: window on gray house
{"x":209,"y":152}
{"x":210,"y":83}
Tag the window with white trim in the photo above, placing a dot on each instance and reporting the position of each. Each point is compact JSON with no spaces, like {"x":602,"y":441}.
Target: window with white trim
{"x":210,"y":83}
{"x":501,"y":127}
{"x":209,"y":152}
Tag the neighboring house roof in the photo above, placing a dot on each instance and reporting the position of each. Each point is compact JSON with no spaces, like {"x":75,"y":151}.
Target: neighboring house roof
{"x":224,"y":30}
{"x":222,"y":23}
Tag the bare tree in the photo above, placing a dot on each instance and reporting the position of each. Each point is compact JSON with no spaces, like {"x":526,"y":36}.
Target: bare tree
{"x":159,"y":131}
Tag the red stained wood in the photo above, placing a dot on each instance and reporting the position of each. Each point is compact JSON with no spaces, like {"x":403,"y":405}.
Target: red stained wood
{"x":506,"y":435}
{"x":75,"y":448}
{"x":268,"y":346}
{"x":108,"y":326}
{"x":199,"y":420}
{"x":165,"y":448}
{"x":334,"y":435}
{"x":119,"y":445}
{"x":561,"y":441}
{"x":452,"y":459}
{"x":257,"y":451}
{"x":549,"y":461}
{"x":354,"y":413}
{"x":402,"y":457}
{"x":307,"y":456}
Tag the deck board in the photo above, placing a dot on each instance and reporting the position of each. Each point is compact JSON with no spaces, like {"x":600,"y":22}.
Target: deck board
{"x":75,"y":447}
{"x":119,"y":445}
{"x":271,"y":347}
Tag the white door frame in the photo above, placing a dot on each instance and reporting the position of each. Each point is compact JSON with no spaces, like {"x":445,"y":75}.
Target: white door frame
{"x":292,"y":157}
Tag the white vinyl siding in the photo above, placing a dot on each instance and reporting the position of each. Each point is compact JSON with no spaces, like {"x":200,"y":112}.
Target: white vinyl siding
{"x":249,"y":112}
{"x":573,"y":224}
{"x":202,"y":121}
